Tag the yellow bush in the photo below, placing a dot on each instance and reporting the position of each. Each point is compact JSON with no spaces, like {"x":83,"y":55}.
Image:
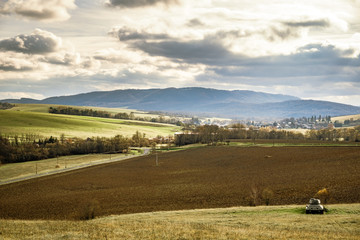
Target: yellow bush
{"x":323,"y":194}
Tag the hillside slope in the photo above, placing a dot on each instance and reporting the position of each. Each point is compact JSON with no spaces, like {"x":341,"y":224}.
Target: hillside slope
{"x":209,"y":102}
{"x":46,"y":125}
{"x":265,"y":222}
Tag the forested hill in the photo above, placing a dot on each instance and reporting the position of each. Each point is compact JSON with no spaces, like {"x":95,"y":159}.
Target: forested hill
{"x":211,"y":102}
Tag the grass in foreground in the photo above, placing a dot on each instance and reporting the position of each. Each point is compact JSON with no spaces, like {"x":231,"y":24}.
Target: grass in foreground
{"x":274,"y":222}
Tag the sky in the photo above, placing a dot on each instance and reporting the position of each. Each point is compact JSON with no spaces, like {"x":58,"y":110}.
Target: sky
{"x":309,"y":48}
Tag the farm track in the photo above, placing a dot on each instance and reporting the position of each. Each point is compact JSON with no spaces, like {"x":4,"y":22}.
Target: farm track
{"x":208,"y":177}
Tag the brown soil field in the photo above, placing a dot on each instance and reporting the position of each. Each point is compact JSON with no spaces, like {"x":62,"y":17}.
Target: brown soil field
{"x":207,"y":177}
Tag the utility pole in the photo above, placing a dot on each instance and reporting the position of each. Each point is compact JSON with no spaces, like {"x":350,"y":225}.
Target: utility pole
{"x":36,"y":169}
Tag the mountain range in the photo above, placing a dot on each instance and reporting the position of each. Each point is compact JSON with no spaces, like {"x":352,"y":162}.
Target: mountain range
{"x":203,"y":101}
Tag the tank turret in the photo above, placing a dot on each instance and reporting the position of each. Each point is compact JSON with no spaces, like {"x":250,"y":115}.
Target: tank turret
{"x":314,"y":206}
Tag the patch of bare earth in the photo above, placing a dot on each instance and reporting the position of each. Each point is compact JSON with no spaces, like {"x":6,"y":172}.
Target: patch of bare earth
{"x":208,"y":177}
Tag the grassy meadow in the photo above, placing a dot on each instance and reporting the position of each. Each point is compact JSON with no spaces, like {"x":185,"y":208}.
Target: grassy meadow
{"x":45,"y":107}
{"x":271,"y":222}
{"x":34,"y":119}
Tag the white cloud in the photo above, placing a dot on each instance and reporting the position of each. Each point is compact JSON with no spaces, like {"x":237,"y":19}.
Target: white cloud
{"x":273,"y":46}
{"x":16,"y":62}
{"x":42,"y":55}
{"x":43,"y":10}
{"x":38,"y":42}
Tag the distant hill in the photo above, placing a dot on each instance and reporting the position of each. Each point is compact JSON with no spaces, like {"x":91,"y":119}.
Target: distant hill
{"x":211,"y":102}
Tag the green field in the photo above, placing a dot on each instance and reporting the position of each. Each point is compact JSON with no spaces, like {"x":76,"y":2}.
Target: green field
{"x":45,"y":107}
{"x":34,"y":119}
{"x":273,"y":222}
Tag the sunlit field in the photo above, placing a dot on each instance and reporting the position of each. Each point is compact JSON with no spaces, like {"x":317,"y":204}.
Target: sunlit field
{"x":274,"y":222}
{"x":46,"y":125}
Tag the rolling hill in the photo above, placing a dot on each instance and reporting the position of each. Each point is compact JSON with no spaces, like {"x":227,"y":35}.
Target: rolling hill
{"x":203,"y":101}
{"x":29,"y":119}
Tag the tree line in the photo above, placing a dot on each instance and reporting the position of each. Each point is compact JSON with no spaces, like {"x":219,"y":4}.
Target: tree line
{"x":105,"y":114}
{"x":5,"y":105}
{"x":212,"y":134}
{"x":26,"y":148}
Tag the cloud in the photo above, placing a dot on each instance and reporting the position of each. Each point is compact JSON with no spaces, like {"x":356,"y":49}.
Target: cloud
{"x":38,"y":42}
{"x":293,"y":29}
{"x":44,"y":10}
{"x":128,"y":34}
{"x":308,"y":23}
{"x":213,"y":50}
{"x":222,"y":61}
{"x":123,"y":56}
{"x":206,"y":51}
{"x":63,"y":58}
{"x":315,"y":62}
{"x":312,"y":61}
{"x":195,"y":22}
{"x":138,"y":3}
{"x":42,"y":55}
{"x":15,"y":63}
{"x":275,"y":33}
{"x":195,"y":51}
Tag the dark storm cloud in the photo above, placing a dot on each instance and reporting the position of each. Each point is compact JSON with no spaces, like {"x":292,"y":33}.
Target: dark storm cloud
{"x":138,"y":3}
{"x":39,"y":42}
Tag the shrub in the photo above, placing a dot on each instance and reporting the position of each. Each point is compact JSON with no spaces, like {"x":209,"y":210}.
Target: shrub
{"x":267,"y":195}
{"x":323,"y":195}
{"x":90,"y":210}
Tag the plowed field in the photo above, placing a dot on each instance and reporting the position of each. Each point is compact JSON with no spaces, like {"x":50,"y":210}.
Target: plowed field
{"x":208,"y":177}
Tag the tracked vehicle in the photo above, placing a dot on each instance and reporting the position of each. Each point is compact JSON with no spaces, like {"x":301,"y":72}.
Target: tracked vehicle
{"x":314,"y":207}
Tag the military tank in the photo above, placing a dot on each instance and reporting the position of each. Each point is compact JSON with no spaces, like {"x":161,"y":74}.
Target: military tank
{"x":314,"y":207}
